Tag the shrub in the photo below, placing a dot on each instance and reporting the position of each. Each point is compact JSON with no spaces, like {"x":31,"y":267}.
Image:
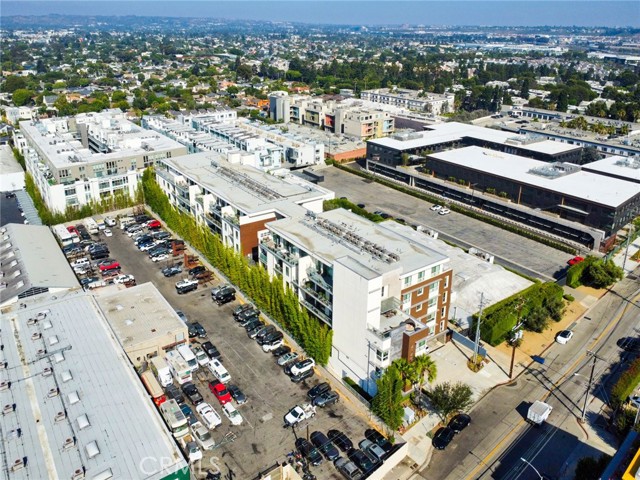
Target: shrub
{"x":594,"y":272}
{"x":568,"y":298}
{"x":448,"y":398}
{"x":626,"y":383}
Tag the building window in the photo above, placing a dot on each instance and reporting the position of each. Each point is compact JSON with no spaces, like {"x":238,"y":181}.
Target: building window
{"x":382,"y":356}
{"x":446,"y":282}
{"x":421,"y":276}
{"x":433,"y":287}
{"x":444,"y":297}
{"x":418,"y":307}
{"x":443,"y":312}
{"x":407,"y":281}
{"x":64,"y":173}
{"x":432,"y":302}
{"x":406,"y":297}
{"x":103,"y":185}
{"x":435,"y":270}
{"x":420,"y":291}
{"x":69,"y":191}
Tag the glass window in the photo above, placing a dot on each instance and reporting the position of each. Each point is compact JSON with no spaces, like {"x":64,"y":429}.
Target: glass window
{"x":406,"y":297}
{"x":382,"y":356}
{"x":420,"y":291}
{"x":407,"y":281}
{"x":421,"y":276}
{"x":418,"y":307}
{"x":444,"y":297}
{"x":433,"y":287}
{"x":435,"y":270}
{"x":69,"y":191}
{"x":443,"y":312}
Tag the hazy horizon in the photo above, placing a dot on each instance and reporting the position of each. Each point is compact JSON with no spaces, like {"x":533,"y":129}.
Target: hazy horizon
{"x":435,"y":13}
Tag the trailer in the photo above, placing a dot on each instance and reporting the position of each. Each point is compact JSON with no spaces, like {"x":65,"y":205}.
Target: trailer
{"x":538,"y":412}
{"x":92,"y":226}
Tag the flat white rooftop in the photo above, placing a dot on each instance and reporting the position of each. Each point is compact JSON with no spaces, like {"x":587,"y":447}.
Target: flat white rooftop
{"x":78,"y":402}
{"x":589,"y":186}
{"x":354,"y":240}
{"x":623,"y":167}
{"x":454,"y":131}
{"x":251,"y":190}
{"x":60,"y":143}
{"x":8,"y":163}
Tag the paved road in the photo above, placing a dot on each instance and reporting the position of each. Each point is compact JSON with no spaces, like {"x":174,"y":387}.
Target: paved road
{"x":499,"y":436}
{"x":511,"y":250}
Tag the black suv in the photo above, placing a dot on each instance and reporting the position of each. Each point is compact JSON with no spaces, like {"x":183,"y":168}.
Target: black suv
{"x":196,"y":330}
{"x":248,"y":313}
{"x":210,"y":349}
{"x":190,"y":390}
{"x":308,"y":451}
{"x":173,"y":393}
{"x":318,"y":390}
{"x":225,"y":295}
{"x":241,"y":308}
{"x":196,"y":270}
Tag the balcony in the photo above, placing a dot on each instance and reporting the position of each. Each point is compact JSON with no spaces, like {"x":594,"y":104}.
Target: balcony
{"x":320,"y":280}
{"x":213,"y":222}
{"x":316,"y":312}
{"x":281,"y":253}
{"x":321,"y":297}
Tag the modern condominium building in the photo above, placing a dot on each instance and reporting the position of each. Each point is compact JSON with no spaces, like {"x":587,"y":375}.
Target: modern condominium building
{"x":412,"y":99}
{"x":83,"y":159}
{"x":381,"y":288}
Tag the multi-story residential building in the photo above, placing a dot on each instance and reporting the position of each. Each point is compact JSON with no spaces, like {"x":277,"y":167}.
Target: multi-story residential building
{"x":236,"y":201}
{"x":363,"y":124}
{"x":382,"y":289}
{"x":83,"y":159}
{"x":412,"y":99}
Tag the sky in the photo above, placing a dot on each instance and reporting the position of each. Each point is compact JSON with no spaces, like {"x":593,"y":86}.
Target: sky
{"x":608,"y":13}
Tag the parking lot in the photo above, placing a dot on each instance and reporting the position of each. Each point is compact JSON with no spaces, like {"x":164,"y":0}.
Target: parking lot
{"x":261,"y":440}
{"x":510,"y":249}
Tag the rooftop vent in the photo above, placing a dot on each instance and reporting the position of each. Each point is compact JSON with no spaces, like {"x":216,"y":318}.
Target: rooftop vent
{"x":68,"y":443}
{"x":8,"y":408}
{"x":18,"y":464}
{"x":4,"y":365}
{"x":60,"y":416}
{"x":78,"y":474}
{"x":92,"y":449}
{"x":66,"y":376}
{"x":83,"y":422}
{"x":73,"y":398}
{"x":43,"y":314}
{"x":48,"y":371}
{"x":53,"y":392}
{"x":58,"y":357}
{"x":53,"y":340}
{"x":41,"y":351}
{"x":32,"y":321}
{"x":5,"y":386}
{"x":36,"y":336}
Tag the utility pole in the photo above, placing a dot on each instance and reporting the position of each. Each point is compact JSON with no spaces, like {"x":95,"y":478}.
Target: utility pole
{"x":517,"y":335}
{"x":586,"y":394}
{"x":477,"y":342}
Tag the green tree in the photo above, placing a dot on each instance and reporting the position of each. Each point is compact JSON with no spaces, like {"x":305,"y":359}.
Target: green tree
{"x":13,"y":83}
{"x":424,"y":365}
{"x":563,"y":102}
{"x":589,"y":468}
{"x":524,"y":89}
{"x":448,"y":398}
{"x":22,"y":96}
{"x":387,"y":403}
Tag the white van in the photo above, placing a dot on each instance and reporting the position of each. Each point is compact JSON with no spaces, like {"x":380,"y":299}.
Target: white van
{"x":126,"y":221}
{"x":219,"y":371}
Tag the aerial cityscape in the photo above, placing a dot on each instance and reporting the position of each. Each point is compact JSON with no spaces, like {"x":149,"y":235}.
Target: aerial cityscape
{"x":301,"y":240}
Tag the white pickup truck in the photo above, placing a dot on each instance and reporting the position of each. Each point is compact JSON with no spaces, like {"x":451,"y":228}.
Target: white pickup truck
{"x":539,"y":412}
{"x":299,"y":413}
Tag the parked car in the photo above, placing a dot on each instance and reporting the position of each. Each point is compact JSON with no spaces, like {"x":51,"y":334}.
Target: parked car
{"x":109,"y":222}
{"x":220,"y":391}
{"x":374,"y":450}
{"x":564,"y":336}
{"x":173,"y":393}
{"x":154,"y":225}
{"x":253,"y":326}
{"x":245,"y":322}
{"x":269,"y":345}
{"x":201,"y":357}
{"x":318,"y":389}
{"x":629,"y":344}
{"x":196,"y":330}
{"x":108,"y":265}
{"x":576,"y":259}
{"x":202,"y":436}
{"x":442,"y":438}
{"x":459,"y":422}
{"x":186,"y":285}
{"x":362,"y":460}
{"x":241,"y":308}
{"x":280,"y":351}
{"x":225,"y":297}
{"x":107,"y":232}
{"x":444,"y":211}
{"x":340,"y":440}
{"x":264,"y":331}
{"x":211,"y":351}
{"x":377,"y":438}
{"x":191,"y":391}
{"x":124,"y":279}
{"x":302,"y":366}
{"x":302,"y":376}
{"x":287,"y":358}
{"x":232,"y":414}
{"x":348,"y":469}
{"x":237,"y":394}
{"x":308,"y":451}
{"x":171,"y":270}
{"x":324,"y":445}
{"x":209,"y":416}
{"x":196,"y":270}
{"x":325,"y":399}
{"x":435,"y":208}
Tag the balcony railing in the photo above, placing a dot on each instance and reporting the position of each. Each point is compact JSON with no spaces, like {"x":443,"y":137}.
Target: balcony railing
{"x":281,"y":253}
{"x":319,"y":296}
{"x":319,"y":280}
{"x":316,"y":311}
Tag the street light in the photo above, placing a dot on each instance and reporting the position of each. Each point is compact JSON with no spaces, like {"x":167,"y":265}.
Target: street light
{"x":534,"y":468}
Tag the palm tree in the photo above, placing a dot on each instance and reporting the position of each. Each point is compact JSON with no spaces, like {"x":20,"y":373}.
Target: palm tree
{"x":423,"y":364}
{"x":406,"y":369}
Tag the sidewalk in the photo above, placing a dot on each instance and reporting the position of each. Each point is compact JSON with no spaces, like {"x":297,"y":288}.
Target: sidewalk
{"x":630,"y":265}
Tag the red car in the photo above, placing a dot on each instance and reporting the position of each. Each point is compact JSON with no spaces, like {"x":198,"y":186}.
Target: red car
{"x":109,"y":266}
{"x":154,"y":225}
{"x":220,"y":392}
{"x":575,"y":260}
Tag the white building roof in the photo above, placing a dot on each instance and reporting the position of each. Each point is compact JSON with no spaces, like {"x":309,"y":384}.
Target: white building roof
{"x":238,"y":184}
{"x":54,"y":137}
{"x":78,"y":402}
{"x":31,"y":260}
{"x":345,"y":238}
{"x":580,"y":184}
{"x":454,"y":131}
{"x":138,"y":314}
{"x":624,"y":167}
{"x":8,"y":163}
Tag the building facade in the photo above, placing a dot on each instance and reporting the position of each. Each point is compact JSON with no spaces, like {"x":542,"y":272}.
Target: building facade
{"x":384,"y":293}
{"x":79,"y":160}
{"x":412,"y":99}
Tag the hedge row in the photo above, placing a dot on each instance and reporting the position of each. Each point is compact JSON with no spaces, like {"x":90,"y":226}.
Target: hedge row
{"x":464,"y":211}
{"x":627,"y":383}
{"x":534,"y":306}
{"x":267,"y":294}
{"x":576,"y":272}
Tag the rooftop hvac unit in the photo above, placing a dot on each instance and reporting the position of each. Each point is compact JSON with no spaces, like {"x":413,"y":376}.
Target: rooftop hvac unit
{"x":68,"y":443}
{"x":53,"y":392}
{"x":60,"y":416}
{"x":17,"y":465}
{"x":47,"y":372}
{"x":5,"y":386}
{"x":8,"y":408}
{"x":36,"y":336}
{"x":78,"y":474}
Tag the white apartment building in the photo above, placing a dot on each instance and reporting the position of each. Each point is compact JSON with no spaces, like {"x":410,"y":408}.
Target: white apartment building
{"x":83,"y":159}
{"x":383,"y":290}
{"x":236,"y":201}
{"x":412,"y":99}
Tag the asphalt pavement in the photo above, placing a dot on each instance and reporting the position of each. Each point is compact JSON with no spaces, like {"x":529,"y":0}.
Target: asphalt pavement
{"x":511,"y":250}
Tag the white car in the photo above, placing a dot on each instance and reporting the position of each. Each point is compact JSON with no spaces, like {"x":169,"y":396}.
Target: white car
{"x":193,"y":452}
{"x":108,"y":232}
{"x":564,"y":336}
{"x":444,"y":211}
{"x":209,"y":416}
{"x":302,"y":366}
{"x":202,"y":436}
{"x":287,"y":358}
{"x":123,"y":278}
{"x":435,"y":208}
{"x":109,"y":222}
{"x":232,"y":414}
{"x":202,"y":358}
{"x":160,"y":258}
{"x":269,"y":347}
